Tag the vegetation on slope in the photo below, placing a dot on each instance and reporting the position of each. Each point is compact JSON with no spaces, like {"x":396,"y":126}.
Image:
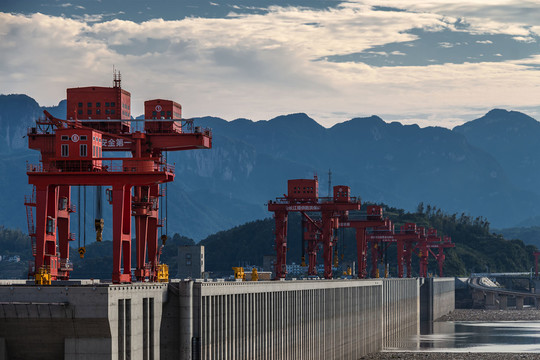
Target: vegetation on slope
{"x":97,"y":262}
{"x":477,"y":248}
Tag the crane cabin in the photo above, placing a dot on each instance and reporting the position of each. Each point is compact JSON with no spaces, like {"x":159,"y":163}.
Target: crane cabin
{"x":160,"y":116}
{"x":102,"y":108}
{"x":78,"y":149}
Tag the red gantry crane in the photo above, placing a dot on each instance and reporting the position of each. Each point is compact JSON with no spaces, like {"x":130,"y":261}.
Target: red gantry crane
{"x":404,"y":239}
{"x":303,"y":197}
{"x":446,"y":243}
{"x":427,"y":243}
{"x":72,"y":155}
{"x":374,"y":219}
{"x":427,"y":240}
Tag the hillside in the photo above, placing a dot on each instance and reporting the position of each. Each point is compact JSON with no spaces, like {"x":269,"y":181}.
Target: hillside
{"x":477,"y":249}
{"x":510,"y":137}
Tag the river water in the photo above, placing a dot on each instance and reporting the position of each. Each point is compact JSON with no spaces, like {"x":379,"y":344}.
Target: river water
{"x":469,"y":336}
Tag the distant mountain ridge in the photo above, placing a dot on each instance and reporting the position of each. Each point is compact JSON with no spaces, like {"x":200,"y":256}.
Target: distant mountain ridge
{"x":460,"y":170}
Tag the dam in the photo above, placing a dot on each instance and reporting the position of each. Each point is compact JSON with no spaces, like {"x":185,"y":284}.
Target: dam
{"x":185,"y":319}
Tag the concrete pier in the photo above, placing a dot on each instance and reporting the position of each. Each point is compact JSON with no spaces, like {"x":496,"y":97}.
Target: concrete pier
{"x":437,"y":298}
{"x":81,"y":322}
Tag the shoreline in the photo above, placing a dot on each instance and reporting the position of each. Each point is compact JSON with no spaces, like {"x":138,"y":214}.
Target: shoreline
{"x":477,"y":315}
{"x":449,"y":356}
{"x":527,"y":314}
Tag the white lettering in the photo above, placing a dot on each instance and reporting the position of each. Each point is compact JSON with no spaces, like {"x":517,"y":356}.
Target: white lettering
{"x":303,"y":208}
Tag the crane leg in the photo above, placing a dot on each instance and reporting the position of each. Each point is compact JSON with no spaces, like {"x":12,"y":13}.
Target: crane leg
{"x":121,"y":233}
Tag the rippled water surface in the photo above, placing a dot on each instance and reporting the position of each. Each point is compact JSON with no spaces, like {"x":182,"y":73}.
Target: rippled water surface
{"x":469,"y":336}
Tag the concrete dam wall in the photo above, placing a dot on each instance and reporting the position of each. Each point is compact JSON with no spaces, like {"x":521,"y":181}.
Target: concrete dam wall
{"x":437,"y":298}
{"x":295,"y":319}
{"x":315,"y":319}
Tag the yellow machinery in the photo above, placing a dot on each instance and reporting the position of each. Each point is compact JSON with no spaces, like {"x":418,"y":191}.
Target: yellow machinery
{"x":163,"y":273}
{"x":254,"y":275}
{"x":239,"y":273}
{"x":43,"y":276}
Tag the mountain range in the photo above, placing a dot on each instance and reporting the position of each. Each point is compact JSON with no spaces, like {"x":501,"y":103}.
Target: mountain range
{"x":485,"y":167}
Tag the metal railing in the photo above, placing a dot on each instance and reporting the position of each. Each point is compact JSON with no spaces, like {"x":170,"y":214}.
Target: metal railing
{"x":102,"y":165}
{"x":120,"y":126}
{"x":311,"y":200}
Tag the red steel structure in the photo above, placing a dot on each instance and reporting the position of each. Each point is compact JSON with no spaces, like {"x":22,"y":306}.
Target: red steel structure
{"x":427,"y":239}
{"x":334,"y":214}
{"x":405,"y":240}
{"x":408,"y":236}
{"x":374,"y":219}
{"x":426,"y":244}
{"x":71,"y":155}
{"x":303,"y":197}
{"x":446,"y":243}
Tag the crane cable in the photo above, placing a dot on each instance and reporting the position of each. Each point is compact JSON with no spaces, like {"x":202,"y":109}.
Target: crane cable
{"x":166,"y":202}
{"x":166,"y":188}
{"x":79,"y":216}
{"x":82,"y":249}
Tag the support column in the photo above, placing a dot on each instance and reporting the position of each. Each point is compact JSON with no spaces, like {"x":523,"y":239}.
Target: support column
{"x":46,"y":215}
{"x":424,"y":256}
{"x":374,"y":259}
{"x":121,"y":233}
{"x":64,"y":236}
{"x":400,"y":258}
{"x":503,"y":302}
{"x":536,"y":255}
{"x":361,"y":246}
{"x":328,"y":244}
{"x":152,"y":237}
{"x":440,"y":261}
{"x":140,"y":208}
{"x":519,"y":302}
{"x":281,"y":244}
{"x":186,"y":318}
{"x":408,"y":258}
{"x":312,"y":253}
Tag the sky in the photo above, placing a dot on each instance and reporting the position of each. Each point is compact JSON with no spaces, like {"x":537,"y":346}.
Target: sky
{"x":433,"y":62}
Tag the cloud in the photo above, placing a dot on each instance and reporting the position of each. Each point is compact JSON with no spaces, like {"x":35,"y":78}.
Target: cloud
{"x":484,"y":42}
{"x":526,"y":39}
{"x":446,"y":45}
{"x":262,"y":65}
